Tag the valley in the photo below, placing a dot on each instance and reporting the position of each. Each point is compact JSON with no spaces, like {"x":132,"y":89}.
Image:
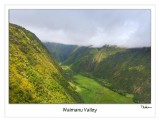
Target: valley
{"x":45,"y":72}
{"x":126,"y":71}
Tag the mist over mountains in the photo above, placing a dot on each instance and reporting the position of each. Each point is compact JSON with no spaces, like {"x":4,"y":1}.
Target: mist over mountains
{"x":129,"y":28}
{"x":57,"y":73}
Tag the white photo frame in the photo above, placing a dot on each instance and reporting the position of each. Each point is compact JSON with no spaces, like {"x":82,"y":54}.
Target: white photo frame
{"x":103,"y":110}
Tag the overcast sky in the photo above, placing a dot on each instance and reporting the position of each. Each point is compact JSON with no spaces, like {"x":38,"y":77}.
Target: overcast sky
{"x":124,"y":28}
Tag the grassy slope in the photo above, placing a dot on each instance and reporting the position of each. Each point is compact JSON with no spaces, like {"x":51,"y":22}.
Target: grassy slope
{"x":34,"y":76}
{"x":92,"y":92}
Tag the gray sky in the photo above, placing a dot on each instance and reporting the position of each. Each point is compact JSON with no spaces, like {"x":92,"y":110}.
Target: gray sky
{"x":124,"y":28}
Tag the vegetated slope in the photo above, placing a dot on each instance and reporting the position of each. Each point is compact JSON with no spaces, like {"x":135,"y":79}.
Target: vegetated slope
{"x":128,"y":72}
{"x":125,"y":70}
{"x":86,"y":59}
{"x":81,"y":58}
{"x":34,"y":76}
{"x":59,"y":51}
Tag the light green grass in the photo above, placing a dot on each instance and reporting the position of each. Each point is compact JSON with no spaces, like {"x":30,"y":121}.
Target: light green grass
{"x":92,"y":92}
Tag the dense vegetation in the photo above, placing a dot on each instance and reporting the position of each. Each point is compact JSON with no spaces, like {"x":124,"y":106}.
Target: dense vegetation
{"x":125,"y":71}
{"x":34,"y":76}
{"x":128,"y":72}
{"x":60,"y":51}
{"x":107,"y":74}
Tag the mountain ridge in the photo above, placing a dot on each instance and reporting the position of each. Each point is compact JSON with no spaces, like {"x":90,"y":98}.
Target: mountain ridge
{"x":127,"y":70}
{"x":34,"y":76}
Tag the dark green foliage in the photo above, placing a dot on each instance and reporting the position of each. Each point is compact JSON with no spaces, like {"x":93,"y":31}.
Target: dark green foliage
{"x":59,"y":51}
{"x":129,"y":72}
{"x":120,"y":69}
{"x":86,"y":59}
{"x":34,"y":76}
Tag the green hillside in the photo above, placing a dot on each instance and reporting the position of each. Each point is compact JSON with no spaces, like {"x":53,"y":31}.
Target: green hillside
{"x":34,"y":76}
{"x":60,"y":51}
{"x":125,"y":71}
{"x":128,"y":72}
{"x":81,"y":56}
{"x":86,"y":59}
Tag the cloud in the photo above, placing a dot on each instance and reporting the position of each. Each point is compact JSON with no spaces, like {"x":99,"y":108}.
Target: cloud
{"x":125,"y":28}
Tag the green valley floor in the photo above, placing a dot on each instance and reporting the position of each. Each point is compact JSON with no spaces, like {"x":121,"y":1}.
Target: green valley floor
{"x":92,"y":92}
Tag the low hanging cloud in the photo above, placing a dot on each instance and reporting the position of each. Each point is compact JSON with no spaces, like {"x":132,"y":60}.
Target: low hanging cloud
{"x":124,"y":28}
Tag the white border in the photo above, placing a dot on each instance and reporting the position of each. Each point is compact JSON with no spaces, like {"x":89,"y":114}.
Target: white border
{"x":104,"y":110}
